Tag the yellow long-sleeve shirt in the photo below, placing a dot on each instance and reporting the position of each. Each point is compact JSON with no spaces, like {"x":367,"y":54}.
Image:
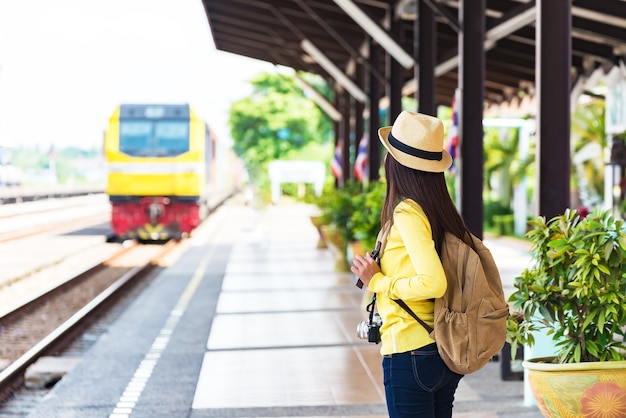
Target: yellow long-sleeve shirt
{"x":411,"y":271}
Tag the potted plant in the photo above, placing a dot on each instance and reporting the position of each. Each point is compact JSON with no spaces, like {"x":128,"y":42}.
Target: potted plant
{"x":366,"y":218}
{"x":336,"y":206}
{"x":318,"y":222}
{"x":575,"y":292}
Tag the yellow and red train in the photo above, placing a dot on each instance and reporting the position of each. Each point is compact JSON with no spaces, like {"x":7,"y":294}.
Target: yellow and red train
{"x":166,"y":171}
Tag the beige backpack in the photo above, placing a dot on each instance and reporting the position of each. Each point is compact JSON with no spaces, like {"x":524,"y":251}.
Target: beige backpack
{"x":470,"y":319}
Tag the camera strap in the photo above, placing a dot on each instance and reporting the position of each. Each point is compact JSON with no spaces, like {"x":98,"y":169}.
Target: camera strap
{"x":381,"y":241}
{"x":371,"y":308}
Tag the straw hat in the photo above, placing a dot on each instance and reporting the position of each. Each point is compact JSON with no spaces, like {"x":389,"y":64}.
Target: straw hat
{"x":416,"y":140}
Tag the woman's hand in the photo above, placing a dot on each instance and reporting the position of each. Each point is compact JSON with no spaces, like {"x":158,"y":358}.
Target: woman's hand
{"x":364,"y":267}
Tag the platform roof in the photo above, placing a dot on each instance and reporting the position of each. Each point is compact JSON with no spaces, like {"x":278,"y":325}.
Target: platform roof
{"x":273,"y":31}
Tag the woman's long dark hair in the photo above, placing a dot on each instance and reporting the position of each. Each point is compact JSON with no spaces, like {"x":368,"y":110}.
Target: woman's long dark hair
{"x":428,"y":190}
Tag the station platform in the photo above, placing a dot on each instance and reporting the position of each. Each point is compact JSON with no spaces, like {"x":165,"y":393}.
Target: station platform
{"x":252,"y":320}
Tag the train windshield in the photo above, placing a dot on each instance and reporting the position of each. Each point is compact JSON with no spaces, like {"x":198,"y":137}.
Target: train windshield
{"x":152,"y":138}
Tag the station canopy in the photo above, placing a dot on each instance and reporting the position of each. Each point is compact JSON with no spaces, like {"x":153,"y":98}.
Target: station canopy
{"x":279,"y":31}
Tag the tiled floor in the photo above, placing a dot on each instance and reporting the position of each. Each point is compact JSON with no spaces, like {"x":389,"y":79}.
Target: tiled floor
{"x":285,"y":330}
{"x":289,"y":377}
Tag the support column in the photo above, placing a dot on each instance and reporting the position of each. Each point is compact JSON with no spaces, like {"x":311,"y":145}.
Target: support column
{"x":373,"y":146}
{"x":425,"y":43}
{"x":396,"y":73}
{"x":471,"y":84}
{"x":553,"y":58}
{"x":337,"y":126}
{"x":346,"y":129}
{"x":359,"y":123}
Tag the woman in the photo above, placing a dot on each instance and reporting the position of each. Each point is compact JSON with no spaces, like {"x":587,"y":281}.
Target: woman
{"x":417,"y":203}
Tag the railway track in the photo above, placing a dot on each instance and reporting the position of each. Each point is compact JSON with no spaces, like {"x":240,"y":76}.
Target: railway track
{"x":47,"y":322}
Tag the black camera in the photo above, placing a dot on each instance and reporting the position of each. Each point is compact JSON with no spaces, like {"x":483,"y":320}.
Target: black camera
{"x":370,"y":330}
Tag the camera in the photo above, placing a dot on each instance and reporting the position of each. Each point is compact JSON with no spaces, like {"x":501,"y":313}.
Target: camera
{"x":370,"y":330}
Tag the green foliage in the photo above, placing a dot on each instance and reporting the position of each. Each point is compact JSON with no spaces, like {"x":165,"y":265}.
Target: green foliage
{"x":313,"y":151}
{"x":337,"y":206}
{"x":275,"y":120}
{"x":588,"y":142}
{"x":65,"y":165}
{"x":366,"y":216}
{"x":504,"y":166}
{"x":576,"y":288}
{"x":354,"y":210}
{"x":495,"y":208}
{"x":588,"y":124}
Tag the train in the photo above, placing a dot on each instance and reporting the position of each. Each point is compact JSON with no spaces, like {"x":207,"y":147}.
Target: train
{"x":166,"y":171}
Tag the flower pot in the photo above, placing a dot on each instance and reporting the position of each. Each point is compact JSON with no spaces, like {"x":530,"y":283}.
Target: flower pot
{"x":578,"y":390}
{"x":356,"y":247}
{"x":317,"y":222}
{"x":337,"y":245}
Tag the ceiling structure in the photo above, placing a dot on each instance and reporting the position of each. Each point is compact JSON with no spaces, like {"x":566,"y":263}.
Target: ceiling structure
{"x":278,"y":31}
{"x":543,"y":50}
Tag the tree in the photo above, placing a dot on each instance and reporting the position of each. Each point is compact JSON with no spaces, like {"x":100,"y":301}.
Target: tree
{"x":504,"y":166}
{"x":276,"y":120}
{"x":588,"y":144}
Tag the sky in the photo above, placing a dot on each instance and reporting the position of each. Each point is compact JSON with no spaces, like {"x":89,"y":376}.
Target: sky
{"x":66,"y":64}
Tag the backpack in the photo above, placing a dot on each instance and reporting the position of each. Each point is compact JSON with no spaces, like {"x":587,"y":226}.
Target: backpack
{"x":470,"y":318}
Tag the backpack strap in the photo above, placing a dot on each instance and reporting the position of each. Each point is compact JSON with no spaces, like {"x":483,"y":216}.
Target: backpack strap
{"x":404,"y":306}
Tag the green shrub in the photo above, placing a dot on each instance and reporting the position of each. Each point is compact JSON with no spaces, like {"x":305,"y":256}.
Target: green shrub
{"x":575,"y":289}
{"x":366,"y":217}
{"x":337,"y":205}
{"x":495,"y":208}
{"x":354,"y":209}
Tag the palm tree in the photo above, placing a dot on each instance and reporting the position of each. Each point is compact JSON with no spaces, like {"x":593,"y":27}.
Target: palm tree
{"x":504,"y":165}
{"x":588,"y":144}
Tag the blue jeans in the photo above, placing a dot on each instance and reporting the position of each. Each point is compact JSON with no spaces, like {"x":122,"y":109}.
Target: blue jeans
{"x":418,"y":384}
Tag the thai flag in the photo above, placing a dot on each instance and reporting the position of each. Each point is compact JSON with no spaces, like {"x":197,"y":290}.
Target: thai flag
{"x":453,"y":135}
{"x":335,"y":164}
{"x":360,"y":163}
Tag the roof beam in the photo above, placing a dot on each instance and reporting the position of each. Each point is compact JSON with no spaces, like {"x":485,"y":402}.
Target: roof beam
{"x":609,"y":12}
{"x":320,"y":100}
{"x":511,"y":22}
{"x":381,"y":36}
{"x":610,"y":34}
{"x":329,"y":29}
{"x":332,"y":69}
{"x":508,"y":24}
{"x":448,"y":17}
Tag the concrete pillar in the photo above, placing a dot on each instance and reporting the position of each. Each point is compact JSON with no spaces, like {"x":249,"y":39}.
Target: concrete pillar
{"x":425,"y":43}
{"x":471,"y":85}
{"x":553,"y":58}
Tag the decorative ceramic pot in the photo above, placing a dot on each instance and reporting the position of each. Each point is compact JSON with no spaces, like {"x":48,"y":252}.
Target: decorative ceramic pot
{"x":338,"y":245}
{"x":356,"y":247}
{"x":578,"y":390}
{"x":317,"y":222}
